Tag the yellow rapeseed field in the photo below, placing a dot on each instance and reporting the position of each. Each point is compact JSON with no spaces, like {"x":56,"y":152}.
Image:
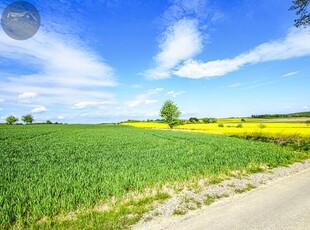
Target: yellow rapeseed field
{"x":262,"y":129}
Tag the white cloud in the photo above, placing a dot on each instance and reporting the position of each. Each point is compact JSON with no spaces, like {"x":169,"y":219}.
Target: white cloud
{"x":27,"y":97}
{"x":84,"y":104}
{"x":305,"y":107}
{"x":60,"y":117}
{"x":174,"y":93}
{"x":235,"y":85}
{"x":39,"y":109}
{"x":290,"y":74}
{"x":144,"y":98}
{"x":295,"y":44}
{"x":180,"y":42}
{"x":64,"y":70}
{"x":199,"y":9}
{"x":1,"y":100}
{"x":186,"y":23}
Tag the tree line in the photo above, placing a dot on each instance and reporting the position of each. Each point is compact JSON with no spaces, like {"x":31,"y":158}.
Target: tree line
{"x":301,"y":114}
{"x":27,"y":119}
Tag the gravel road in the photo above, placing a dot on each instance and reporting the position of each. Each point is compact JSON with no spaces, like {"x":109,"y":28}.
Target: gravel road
{"x":285,"y":204}
{"x":280,"y":200}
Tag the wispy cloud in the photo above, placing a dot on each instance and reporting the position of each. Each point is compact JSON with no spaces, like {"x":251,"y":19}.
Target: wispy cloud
{"x":179,"y":9}
{"x":180,"y":42}
{"x":183,"y":36}
{"x":290,"y":74}
{"x":39,"y":109}
{"x":174,"y":93}
{"x":60,"y":117}
{"x":295,"y":44}
{"x":235,"y":85}
{"x":64,"y":71}
{"x":144,"y":98}
{"x":84,"y":104}
{"x":27,"y":97}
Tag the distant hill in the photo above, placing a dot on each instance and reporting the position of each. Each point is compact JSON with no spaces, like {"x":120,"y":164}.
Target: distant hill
{"x":300,"y":114}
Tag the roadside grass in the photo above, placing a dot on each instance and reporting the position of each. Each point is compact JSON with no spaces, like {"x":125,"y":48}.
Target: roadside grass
{"x":48,"y":172}
{"x":119,"y":216}
{"x":179,"y":211}
{"x":245,"y":189}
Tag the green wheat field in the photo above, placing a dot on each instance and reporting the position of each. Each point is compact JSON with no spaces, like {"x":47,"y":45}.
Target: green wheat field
{"x":50,"y":171}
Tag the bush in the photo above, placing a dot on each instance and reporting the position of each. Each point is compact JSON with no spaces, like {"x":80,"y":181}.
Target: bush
{"x":239,"y":126}
{"x":193,"y":120}
{"x":242,"y":120}
{"x":221,"y":125}
{"x":262,"y":126}
{"x":209,"y":120}
{"x":173,"y":122}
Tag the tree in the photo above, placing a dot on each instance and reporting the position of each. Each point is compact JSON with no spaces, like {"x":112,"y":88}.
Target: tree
{"x":170,"y":113}
{"x":28,"y":118}
{"x":10,"y":120}
{"x":193,"y":119}
{"x":301,"y":10}
{"x":49,"y":122}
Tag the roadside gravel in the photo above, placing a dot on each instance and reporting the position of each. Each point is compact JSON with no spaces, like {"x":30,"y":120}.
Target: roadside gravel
{"x":189,"y":202}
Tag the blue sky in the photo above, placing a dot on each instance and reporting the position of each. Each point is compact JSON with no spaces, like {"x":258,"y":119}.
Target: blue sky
{"x":113,"y":60}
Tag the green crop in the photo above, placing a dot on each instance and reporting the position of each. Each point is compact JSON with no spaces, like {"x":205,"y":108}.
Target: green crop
{"x":48,"y":170}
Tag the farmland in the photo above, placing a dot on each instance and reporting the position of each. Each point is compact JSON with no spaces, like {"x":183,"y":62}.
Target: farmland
{"x":50,"y":171}
{"x":233,"y":126}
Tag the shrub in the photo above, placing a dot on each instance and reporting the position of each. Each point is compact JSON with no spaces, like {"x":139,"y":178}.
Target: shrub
{"x":213,"y":120}
{"x":262,"y":126}
{"x":239,"y":126}
{"x":242,"y":120}
{"x":205,"y":120}
{"x":221,"y":125}
{"x":193,"y":120}
{"x":173,"y":122}
{"x":209,"y":120}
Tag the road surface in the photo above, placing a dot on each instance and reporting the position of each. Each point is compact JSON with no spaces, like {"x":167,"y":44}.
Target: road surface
{"x":283,"y":204}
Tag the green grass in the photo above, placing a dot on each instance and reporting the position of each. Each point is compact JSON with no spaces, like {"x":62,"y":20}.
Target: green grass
{"x":209,"y":200}
{"x":49,"y":170}
{"x":245,"y":189}
{"x":179,"y":212}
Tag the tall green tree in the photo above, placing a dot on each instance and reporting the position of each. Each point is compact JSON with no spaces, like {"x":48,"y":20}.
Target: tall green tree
{"x":301,"y":7}
{"x":170,"y":113}
{"x":28,"y":119}
{"x":10,"y":120}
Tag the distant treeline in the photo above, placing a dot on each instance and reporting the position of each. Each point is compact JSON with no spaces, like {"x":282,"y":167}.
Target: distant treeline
{"x":301,"y":114}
